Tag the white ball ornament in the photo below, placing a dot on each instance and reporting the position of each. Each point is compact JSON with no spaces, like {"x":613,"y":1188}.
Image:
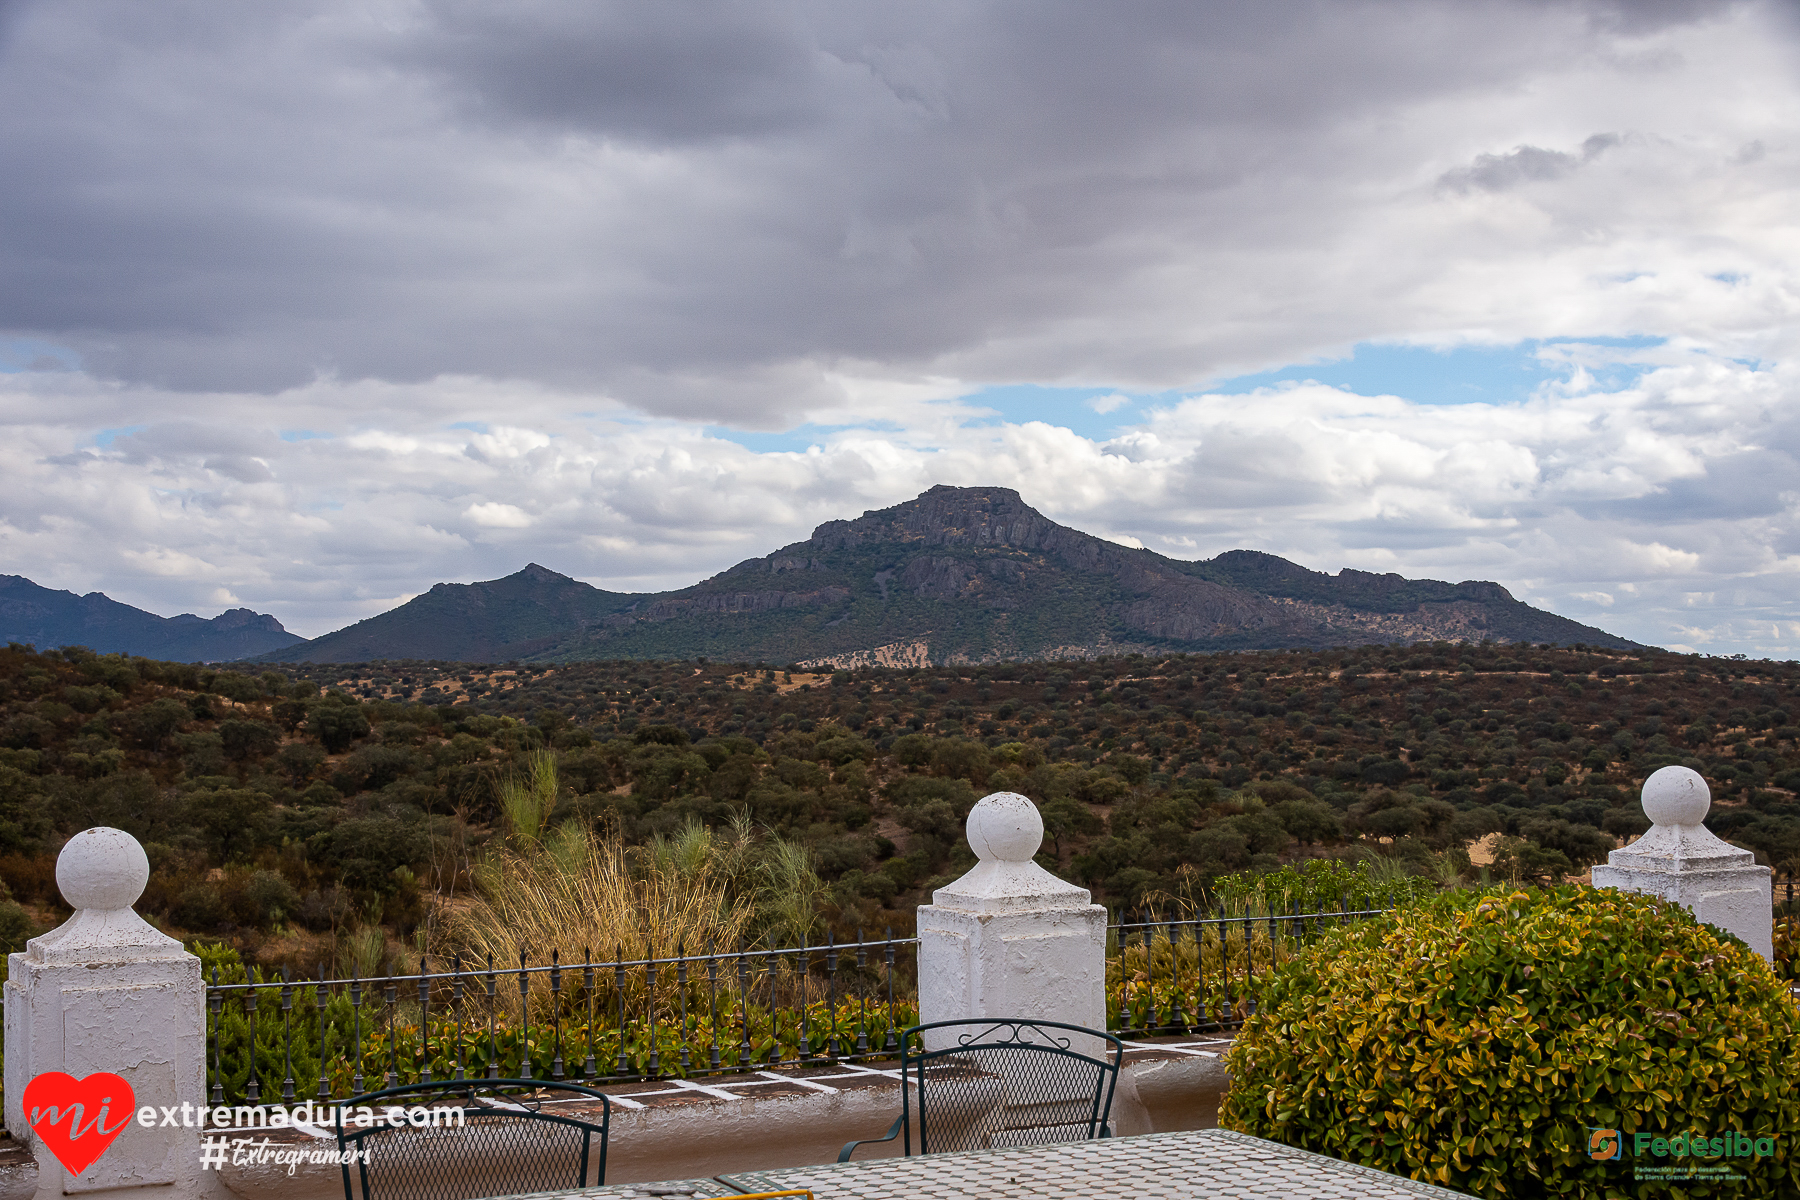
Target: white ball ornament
{"x":1676,"y":796}
{"x":1005,"y":827}
{"x":102,"y":869}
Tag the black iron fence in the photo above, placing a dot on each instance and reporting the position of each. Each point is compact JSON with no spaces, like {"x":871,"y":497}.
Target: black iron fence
{"x":1785,"y":904}
{"x":280,"y":1040}
{"x":1199,"y":974}
{"x":283,"y":1039}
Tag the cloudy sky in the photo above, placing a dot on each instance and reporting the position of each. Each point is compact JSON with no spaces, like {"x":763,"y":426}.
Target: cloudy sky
{"x":305,"y":307}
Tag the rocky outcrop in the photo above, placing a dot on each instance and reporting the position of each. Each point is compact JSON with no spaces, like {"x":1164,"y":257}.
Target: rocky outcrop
{"x":1192,"y":610}
{"x":741,"y":602}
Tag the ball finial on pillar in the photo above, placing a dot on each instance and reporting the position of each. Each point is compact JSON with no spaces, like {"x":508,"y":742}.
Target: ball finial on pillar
{"x":102,"y":869}
{"x":1005,"y":827}
{"x":105,"y":991}
{"x":1676,"y":796}
{"x":1008,"y":939}
{"x":1680,"y":859}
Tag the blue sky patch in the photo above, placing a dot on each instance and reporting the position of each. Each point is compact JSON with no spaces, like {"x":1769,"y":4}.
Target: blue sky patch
{"x":1421,"y":374}
{"x":1460,"y":375}
{"x":1074,"y":408}
{"x":791,"y":441}
{"x":30,"y":354}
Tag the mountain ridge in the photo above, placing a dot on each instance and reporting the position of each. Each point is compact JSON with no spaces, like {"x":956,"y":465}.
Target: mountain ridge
{"x":457,"y":621}
{"x":35,"y":615}
{"x":956,"y":574}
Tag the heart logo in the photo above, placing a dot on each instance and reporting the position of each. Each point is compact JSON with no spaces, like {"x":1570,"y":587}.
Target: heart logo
{"x":74,"y":1117}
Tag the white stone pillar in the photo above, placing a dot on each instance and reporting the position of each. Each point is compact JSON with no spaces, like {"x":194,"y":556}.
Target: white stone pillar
{"x":1682,"y":860}
{"x":106,"y":993}
{"x":1009,"y":939}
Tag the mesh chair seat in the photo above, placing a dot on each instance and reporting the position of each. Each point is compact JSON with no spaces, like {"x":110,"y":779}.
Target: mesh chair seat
{"x":516,"y":1136}
{"x":983,"y":1084}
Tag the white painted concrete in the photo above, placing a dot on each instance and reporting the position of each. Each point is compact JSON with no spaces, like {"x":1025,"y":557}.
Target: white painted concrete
{"x":750,"y":1133}
{"x":1683,"y":861}
{"x":106,"y":992}
{"x":1009,"y":939}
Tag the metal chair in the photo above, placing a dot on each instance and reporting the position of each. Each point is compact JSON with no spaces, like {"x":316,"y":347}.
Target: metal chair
{"x":1002,"y":1082}
{"x":512,"y":1139}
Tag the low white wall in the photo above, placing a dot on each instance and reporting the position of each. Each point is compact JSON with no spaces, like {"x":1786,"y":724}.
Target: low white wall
{"x":706,"y":1137}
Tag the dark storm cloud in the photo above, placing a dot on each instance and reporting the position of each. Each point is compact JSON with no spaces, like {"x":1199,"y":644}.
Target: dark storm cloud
{"x":704,"y":209}
{"x":666,"y":73}
{"x":1527,"y":164}
{"x":1638,"y":17}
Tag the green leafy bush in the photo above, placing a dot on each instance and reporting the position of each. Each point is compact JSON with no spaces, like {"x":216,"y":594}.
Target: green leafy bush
{"x":1476,"y":1039}
{"x":1323,"y":885}
{"x":1787,"y":937}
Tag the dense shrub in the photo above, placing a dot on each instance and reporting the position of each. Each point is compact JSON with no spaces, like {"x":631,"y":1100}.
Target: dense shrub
{"x":1323,"y":885}
{"x":247,"y":739}
{"x":230,"y":821}
{"x":299,"y":760}
{"x":368,"y":850}
{"x":150,"y":725}
{"x":1308,"y":820}
{"x":373,"y":768}
{"x":1787,"y":940}
{"x":16,"y":925}
{"x":1475,"y":1039}
{"x":337,"y":721}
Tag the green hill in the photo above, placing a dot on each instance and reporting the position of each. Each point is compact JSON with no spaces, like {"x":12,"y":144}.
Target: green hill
{"x":523,"y":615}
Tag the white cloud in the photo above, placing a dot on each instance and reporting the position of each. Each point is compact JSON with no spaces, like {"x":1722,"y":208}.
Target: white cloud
{"x":498,"y":516}
{"x":1641,"y":510}
{"x":173,"y":564}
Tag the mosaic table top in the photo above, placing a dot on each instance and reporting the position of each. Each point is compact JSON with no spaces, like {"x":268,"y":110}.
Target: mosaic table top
{"x":1197,"y":1165}
{"x":669,"y":1189}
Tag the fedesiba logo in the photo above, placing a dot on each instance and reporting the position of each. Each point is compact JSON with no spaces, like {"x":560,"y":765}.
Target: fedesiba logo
{"x":1696,"y":1156}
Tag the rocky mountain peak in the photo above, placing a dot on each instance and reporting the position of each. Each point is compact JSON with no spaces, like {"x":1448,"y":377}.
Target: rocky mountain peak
{"x":243,"y":618}
{"x":945,"y":516}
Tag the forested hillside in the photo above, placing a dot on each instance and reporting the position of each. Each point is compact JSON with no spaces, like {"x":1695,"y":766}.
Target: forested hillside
{"x":285,"y":810}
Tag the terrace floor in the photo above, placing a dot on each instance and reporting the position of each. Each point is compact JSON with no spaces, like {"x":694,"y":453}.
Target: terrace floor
{"x":1210,"y":1164}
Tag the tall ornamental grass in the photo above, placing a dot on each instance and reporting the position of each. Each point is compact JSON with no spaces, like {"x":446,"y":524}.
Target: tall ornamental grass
{"x":572,"y":889}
